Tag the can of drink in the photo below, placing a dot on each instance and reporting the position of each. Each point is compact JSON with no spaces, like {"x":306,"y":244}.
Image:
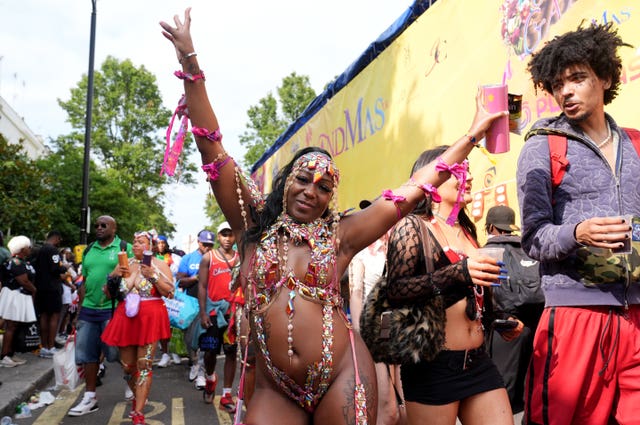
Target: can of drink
{"x":123,"y":261}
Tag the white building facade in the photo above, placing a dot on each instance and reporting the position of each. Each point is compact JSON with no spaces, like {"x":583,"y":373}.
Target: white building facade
{"x":16,"y":131}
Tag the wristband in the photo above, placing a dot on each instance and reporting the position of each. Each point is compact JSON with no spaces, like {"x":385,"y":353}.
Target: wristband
{"x":187,"y":56}
{"x":472,"y":138}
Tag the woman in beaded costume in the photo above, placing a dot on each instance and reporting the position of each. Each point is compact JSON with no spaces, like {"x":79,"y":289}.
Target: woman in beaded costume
{"x":295,"y":246}
{"x":140,"y":320}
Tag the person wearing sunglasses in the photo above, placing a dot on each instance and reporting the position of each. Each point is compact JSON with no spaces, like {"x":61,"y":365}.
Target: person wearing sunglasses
{"x":98,"y":260}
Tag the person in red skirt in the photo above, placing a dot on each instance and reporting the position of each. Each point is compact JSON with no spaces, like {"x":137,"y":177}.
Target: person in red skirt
{"x":141,"y":319}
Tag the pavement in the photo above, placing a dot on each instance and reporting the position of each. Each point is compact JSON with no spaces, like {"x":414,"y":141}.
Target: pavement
{"x":21,"y":382}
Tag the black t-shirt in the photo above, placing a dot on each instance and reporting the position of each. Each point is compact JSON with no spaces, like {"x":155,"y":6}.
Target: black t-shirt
{"x":16,"y":267}
{"x":48,"y":268}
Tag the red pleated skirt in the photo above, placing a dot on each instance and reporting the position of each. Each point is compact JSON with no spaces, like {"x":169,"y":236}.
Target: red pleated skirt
{"x":151,"y":324}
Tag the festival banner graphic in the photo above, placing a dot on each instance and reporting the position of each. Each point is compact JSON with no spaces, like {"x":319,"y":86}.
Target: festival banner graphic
{"x":419,"y":93}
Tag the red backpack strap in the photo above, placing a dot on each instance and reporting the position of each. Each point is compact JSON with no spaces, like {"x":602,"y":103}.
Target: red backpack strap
{"x":634,"y":135}
{"x":558,"y":158}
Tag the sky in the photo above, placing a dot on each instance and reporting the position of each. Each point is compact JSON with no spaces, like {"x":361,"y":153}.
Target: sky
{"x":245,"y":48}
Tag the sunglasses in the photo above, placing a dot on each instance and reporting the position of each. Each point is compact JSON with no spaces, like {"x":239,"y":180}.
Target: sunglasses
{"x":100,"y":225}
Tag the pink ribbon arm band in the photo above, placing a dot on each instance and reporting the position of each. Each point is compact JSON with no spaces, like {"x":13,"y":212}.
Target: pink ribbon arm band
{"x":389,"y":196}
{"x":214,"y":136}
{"x":189,"y":77}
{"x":428,"y":189}
{"x":213,"y":168}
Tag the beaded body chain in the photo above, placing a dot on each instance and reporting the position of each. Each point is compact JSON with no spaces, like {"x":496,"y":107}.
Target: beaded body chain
{"x":271,"y":273}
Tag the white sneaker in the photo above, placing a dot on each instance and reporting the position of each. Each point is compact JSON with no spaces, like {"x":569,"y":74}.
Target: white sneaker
{"x":201,"y":382}
{"x":128,"y":394}
{"x":61,"y":339}
{"x":176,"y":358}
{"x":8,"y":362}
{"x":193,"y":372}
{"x":87,"y":405}
{"x":17,"y":360}
{"x":45,"y":353}
{"x":164,"y":360}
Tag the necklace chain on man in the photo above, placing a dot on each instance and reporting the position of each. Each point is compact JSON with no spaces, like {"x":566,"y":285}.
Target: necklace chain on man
{"x":607,"y":139}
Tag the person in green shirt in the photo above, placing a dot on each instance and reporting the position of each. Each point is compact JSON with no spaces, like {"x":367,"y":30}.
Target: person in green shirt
{"x":98,"y":261}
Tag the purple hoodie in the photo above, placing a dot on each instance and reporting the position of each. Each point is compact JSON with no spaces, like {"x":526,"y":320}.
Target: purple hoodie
{"x":572,"y":274}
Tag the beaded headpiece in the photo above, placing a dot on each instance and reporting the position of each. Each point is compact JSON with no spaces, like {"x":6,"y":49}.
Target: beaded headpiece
{"x":319,"y":163}
{"x":146,"y":234}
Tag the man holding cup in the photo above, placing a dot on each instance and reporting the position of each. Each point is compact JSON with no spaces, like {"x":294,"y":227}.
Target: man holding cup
{"x":574,"y":200}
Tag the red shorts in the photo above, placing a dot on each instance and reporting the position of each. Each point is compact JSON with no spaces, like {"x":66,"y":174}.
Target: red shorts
{"x":591,"y":373}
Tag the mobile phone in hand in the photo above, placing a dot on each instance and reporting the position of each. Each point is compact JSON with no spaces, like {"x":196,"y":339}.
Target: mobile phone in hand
{"x":504,"y":324}
{"x":146,"y":258}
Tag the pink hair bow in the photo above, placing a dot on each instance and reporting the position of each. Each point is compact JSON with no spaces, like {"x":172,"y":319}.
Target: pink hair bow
{"x":459,"y":171}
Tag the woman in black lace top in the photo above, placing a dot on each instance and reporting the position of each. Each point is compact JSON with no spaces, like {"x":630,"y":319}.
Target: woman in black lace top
{"x":459,"y":380}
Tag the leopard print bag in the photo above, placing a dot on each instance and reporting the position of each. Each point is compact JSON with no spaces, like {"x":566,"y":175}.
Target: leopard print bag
{"x":403,"y":334}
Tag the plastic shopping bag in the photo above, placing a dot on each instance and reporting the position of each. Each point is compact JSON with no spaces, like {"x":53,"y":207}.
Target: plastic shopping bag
{"x":64,"y":365}
{"x":182,"y":309}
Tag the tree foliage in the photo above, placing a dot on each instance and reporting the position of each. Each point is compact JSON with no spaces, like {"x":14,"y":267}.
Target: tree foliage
{"x":127,"y":149}
{"x":23,"y":191}
{"x":270,"y":117}
{"x":213,"y":211}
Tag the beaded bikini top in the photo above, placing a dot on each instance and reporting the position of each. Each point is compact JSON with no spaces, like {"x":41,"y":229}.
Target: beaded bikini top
{"x":270,"y":271}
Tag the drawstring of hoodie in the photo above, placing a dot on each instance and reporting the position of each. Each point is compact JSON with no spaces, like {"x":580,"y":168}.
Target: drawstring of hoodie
{"x":614,"y":344}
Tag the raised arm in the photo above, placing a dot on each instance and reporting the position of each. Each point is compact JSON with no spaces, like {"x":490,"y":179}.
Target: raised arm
{"x":221,"y":169}
{"x":362,"y":228}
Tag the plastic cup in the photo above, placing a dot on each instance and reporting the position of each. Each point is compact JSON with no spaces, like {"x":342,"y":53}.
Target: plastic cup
{"x":495,"y":99}
{"x":492,"y":251}
{"x":626,"y":248}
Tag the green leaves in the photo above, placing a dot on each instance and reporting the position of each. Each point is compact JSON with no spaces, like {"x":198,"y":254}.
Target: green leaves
{"x":267,"y":122}
{"x":23,"y":189}
{"x":127,"y":149}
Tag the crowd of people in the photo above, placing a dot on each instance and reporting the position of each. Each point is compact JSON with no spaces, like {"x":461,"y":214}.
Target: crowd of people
{"x":550,"y":327}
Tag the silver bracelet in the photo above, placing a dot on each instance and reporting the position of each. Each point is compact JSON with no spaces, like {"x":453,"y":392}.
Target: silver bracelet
{"x":187,"y":56}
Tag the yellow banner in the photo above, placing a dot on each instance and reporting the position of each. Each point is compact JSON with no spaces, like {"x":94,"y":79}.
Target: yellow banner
{"x":419,"y":93}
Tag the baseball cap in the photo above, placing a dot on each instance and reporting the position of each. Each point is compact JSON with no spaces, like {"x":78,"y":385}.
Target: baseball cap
{"x":502,"y":217}
{"x":206,"y":236}
{"x":223,"y":226}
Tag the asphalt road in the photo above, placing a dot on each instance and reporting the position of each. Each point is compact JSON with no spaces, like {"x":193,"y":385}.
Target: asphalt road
{"x":173,"y":401}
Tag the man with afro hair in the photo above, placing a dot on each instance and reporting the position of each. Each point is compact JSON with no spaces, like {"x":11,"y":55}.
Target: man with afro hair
{"x":578,"y":185}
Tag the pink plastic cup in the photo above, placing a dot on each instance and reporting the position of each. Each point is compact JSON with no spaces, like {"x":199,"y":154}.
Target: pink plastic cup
{"x":495,"y":98}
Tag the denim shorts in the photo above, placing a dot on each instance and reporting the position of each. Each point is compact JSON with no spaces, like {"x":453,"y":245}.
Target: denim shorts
{"x":89,"y":346}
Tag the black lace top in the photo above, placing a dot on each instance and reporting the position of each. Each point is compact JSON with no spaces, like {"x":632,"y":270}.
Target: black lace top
{"x":407,"y":274}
